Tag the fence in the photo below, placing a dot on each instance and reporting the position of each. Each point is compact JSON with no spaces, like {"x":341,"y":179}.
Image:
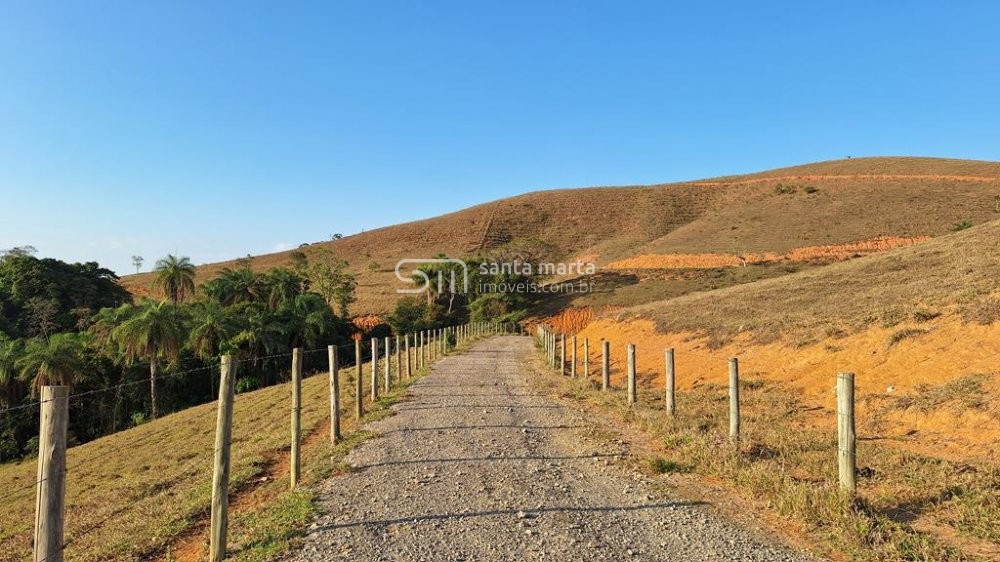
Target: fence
{"x":400,"y":357}
{"x":554,"y":345}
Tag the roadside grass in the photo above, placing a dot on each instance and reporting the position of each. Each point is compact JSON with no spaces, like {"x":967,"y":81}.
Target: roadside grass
{"x":908,"y":507}
{"x":144,"y":492}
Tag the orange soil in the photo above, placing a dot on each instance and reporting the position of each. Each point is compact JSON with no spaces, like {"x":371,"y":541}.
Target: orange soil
{"x":836,"y":252}
{"x":949,"y":350}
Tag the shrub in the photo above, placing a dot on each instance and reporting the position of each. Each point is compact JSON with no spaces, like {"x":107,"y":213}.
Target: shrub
{"x":959,"y":226}
{"x":904,"y":334}
{"x":782,"y":189}
{"x":983,"y":312}
{"x":810,"y":189}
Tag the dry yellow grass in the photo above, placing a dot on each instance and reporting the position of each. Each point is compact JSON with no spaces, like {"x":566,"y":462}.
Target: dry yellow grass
{"x":137,"y":493}
{"x":855,"y":199}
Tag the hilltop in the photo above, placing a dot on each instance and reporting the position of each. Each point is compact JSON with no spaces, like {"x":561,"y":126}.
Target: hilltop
{"x":820,"y":204}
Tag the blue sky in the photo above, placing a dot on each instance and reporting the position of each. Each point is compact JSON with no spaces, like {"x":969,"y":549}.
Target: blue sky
{"x":217,"y":129}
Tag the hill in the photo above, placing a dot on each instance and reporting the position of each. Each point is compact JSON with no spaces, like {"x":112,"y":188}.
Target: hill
{"x":826,"y":203}
{"x":912,"y":322}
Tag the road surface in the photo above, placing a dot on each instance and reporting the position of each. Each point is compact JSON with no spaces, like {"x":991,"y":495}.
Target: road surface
{"x":477,"y":466}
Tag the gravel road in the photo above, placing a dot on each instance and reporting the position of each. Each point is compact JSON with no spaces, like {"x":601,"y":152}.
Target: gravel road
{"x":476,"y":466}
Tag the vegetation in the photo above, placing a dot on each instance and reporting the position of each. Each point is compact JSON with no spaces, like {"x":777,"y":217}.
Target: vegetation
{"x":143,"y":494}
{"x":788,"y":467}
{"x":857,"y":199}
{"x":72,"y":324}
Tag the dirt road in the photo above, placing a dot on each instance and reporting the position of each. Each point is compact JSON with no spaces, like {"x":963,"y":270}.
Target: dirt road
{"x":478,"y":467}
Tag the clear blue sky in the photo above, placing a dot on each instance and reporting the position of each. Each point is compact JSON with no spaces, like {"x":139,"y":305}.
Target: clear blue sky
{"x":217,"y":129}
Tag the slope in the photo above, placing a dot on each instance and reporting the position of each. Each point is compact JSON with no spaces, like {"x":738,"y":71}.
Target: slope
{"x":835,"y":202}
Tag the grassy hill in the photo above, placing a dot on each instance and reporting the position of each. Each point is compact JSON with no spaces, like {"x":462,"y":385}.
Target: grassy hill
{"x":833,"y":202}
{"x":145,"y":493}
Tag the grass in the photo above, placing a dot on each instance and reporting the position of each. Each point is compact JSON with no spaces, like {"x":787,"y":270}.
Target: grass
{"x":854,"y":199}
{"x":961,"y":394}
{"x":787,"y":466}
{"x":906,"y":334}
{"x":140,"y":492}
{"x":954,"y":273}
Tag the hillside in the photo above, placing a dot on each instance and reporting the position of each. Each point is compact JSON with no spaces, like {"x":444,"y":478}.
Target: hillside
{"x":826,"y":203}
{"x":920,"y":325}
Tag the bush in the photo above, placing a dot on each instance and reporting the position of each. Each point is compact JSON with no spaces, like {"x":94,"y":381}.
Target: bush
{"x":782,"y":189}
{"x":959,"y":226}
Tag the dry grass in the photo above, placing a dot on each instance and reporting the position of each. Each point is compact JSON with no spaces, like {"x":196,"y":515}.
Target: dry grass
{"x":857,"y":199}
{"x":137,"y":493}
{"x":954,"y":272}
{"x":827,"y":253}
{"x":910,"y":507}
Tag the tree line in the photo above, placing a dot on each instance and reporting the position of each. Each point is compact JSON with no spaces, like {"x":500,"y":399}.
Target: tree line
{"x":73,"y":324}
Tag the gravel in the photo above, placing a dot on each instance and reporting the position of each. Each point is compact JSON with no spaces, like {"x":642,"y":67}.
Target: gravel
{"x":477,"y":466}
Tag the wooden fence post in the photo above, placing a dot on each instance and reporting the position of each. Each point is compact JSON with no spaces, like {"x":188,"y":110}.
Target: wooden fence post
{"x":586,"y":358}
{"x":605,"y":365}
{"x":50,"y":502}
{"x":374,"y":361}
{"x":562,"y":354}
{"x":734,"y":400}
{"x":387,"y":374}
{"x":418,"y":349}
{"x":220,"y":474}
{"x":572,"y":360}
{"x":359,"y":398}
{"x":296,"y":454}
{"x":846,"y":437}
{"x":670,"y":382}
{"x":331,"y":352}
{"x":399,"y":360}
{"x":631,"y":374}
{"x":409,"y":364}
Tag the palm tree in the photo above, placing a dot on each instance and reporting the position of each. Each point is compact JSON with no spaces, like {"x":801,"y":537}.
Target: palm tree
{"x":10,"y":351}
{"x":102,"y":330}
{"x":306,"y":319}
{"x":153,"y":332}
{"x":56,"y":361}
{"x":212,"y":328}
{"x":175,"y":277}
{"x":235,"y":286}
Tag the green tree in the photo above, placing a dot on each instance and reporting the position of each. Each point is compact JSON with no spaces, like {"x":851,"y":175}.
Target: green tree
{"x":212,"y":328}
{"x":410,"y":315}
{"x":236,"y":285}
{"x":337,"y":285}
{"x":175,"y":277}
{"x":57,"y":360}
{"x":10,"y":388}
{"x":154,"y":332}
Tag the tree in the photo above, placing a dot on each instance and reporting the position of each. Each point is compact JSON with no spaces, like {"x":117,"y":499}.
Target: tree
{"x":10,"y":351}
{"x":175,"y":277}
{"x":67,"y":287}
{"x":332,"y":280}
{"x":235,"y":286}
{"x":19,"y":251}
{"x":55,"y":361}
{"x":41,"y":314}
{"x":153,"y":332}
{"x":212,"y":328}
{"x":410,"y":315}
{"x":137,"y":262}
{"x":306,"y":320}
